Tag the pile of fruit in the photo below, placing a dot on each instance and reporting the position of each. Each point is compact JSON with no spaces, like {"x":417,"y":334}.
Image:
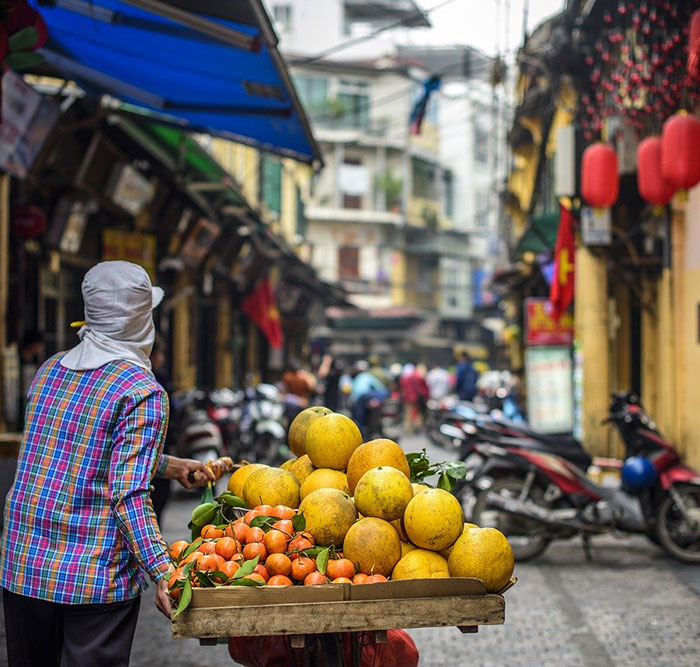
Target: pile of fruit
{"x":343,"y":511}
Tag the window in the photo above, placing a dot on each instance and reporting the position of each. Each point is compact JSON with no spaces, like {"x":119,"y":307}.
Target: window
{"x":348,"y":262}
{"x":282,"y":15}
{"x":423,"y":179}
{"x":481,"y":207}
{"x":352,"y":104}
{"x":448,"y":193}
{"x":352,"y":201}
{"x":313,"y":92}
{"x":481,"y":145}
{"x":301,"y":213}
{"x":271,"y":183}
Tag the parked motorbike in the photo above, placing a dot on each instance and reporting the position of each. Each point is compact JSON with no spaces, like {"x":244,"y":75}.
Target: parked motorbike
{"x":226,"y":408}
{"x":262,"y":431}
{"x":536,"y":496}
{"x":197,"y":435}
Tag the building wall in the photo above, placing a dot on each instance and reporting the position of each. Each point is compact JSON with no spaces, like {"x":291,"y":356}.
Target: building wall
{"x":689,"y":329}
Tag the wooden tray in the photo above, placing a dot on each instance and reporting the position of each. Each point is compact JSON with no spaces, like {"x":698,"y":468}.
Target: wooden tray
{"x":301,"y":610}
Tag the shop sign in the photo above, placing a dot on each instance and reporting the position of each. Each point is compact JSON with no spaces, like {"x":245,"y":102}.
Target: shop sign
{"x":27,"y":120}
{"x":130,"y":246}
{"x":596,"y":226}
{"x":200,"y":241}
{"x":550,"y":404}
{"x":542,"y":328}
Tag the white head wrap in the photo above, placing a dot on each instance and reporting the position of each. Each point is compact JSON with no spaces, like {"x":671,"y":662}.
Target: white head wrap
{"x":119,"y":300}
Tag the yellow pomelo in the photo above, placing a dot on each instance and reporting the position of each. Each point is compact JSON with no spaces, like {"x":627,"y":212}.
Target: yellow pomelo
{"x":445,"y":553}
{"x":288,"y":464}
{"x":301,"y":468}
{"x":380,"y":452}
{"x":483,"y":553}
{"x":421,"y":564}
{"x":324,"y":478}
{"x":329,"y":514}
{"x":398,"y":527}
{"x":383,"y":492}
{"x":406,"y":547}
{"x":433,"y":520}
{"x":271,"y":486}
{"x":419,"y":488}
{"x":373,"y":546}
{"x":296,"y":437}
{"x":331,"y":440}
{"x":238,"y":479}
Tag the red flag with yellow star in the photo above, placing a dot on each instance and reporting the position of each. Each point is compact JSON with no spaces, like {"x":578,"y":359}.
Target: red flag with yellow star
{"x":561,"y":293}
{"x":260,"y":307}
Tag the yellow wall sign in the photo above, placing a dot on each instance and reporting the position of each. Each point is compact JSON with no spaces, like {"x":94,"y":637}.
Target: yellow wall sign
{"x":133,"y":247}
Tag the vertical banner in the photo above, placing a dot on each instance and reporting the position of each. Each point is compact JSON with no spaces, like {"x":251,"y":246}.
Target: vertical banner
{"x":550,"y":398}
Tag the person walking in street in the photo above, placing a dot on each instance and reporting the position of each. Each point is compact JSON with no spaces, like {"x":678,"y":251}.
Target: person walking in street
{"x":80,"y":533}
{"x":467,"y":377}
{"x":414,"y":393}
{"x":365,"y":388}
{"x":439,"y":381}
{"x":298,"y":387}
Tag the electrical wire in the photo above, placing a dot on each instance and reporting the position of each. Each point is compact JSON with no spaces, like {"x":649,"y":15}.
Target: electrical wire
{"x":363,"y":38}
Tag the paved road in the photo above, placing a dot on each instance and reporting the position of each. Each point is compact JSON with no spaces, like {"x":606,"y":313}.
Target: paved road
{"x":630,"y":606}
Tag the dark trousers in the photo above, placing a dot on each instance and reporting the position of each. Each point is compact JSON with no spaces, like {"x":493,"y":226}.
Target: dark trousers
{"x":47,"y":634}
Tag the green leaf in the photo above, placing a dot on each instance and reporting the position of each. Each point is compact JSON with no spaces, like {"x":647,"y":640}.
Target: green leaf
{"x":313,"y":552}
{"x":445,"y":482}
{"x":24,"y":39}
{"x":192,"y":548}
{"x":264,"y":522}
{"x":21,"y":60}
{"x":322,"y":560}
{"x":247,"y":568}
{"x":185,"y":598}
{"x":208,"y":495}
{"x":244,"y":582}
{"x":219,"y":576}
{"x":230,"y":500}
{"x":204,"y":579}
{"x":456,"y":469}
{"x":299,"y":522}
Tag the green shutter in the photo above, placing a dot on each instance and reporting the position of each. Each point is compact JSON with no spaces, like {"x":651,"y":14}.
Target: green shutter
{"x":272,"y":183}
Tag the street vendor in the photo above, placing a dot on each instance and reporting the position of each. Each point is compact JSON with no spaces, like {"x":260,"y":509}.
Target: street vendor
{"x":80,"y":532}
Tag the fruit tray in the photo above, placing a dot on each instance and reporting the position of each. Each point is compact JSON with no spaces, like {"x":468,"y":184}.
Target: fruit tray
{"x":333,"y":608}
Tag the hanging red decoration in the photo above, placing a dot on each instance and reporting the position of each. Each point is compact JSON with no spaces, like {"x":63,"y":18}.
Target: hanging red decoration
{"x":694,"y":46}
{"x":653,"y":187}
{"x":600,"y":183}
{"x":680,"y":147}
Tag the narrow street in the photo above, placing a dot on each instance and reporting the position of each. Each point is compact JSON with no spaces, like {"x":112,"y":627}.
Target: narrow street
{"x":631,"y":605}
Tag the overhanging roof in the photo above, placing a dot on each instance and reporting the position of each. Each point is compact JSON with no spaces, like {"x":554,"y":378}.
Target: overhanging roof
{"x":212,"y":66}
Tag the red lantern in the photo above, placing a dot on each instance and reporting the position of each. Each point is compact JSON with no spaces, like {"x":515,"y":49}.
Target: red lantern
{"x":680,"y":148}
{"x":694,"y":46}
{"x":600,"y":184}
{"x":653,"y":187}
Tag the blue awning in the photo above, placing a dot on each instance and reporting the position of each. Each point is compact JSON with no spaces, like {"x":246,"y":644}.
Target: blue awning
{"x":209,"y":65}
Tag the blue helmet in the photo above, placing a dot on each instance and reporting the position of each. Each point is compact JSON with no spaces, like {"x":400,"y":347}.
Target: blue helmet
{"x":638,"y":473}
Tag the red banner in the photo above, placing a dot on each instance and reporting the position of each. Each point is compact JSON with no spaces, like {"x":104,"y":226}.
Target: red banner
{"x":541,"y":326}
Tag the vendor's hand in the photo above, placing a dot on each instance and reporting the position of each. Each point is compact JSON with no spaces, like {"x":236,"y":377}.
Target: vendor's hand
{"x":164,"y":602}
{"x":186,"y":470}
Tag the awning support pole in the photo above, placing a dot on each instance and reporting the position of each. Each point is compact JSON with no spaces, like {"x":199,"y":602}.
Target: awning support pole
{"x":204,"y":26}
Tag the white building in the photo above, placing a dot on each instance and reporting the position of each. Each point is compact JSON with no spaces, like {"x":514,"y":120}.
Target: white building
{"x":400,"y":220}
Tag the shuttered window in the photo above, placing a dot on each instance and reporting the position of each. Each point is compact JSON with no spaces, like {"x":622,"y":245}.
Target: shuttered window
{"x":271,"y":183}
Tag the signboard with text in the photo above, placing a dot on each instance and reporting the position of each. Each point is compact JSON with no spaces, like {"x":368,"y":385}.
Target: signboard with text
{"x":542,"y":329}
{"x":550,"y":400}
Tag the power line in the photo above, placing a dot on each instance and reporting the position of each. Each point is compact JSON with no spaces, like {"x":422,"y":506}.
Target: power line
{"x":363,"y":38}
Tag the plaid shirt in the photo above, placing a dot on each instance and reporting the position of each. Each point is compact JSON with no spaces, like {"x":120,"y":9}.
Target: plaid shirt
{"x":79,"y":524}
